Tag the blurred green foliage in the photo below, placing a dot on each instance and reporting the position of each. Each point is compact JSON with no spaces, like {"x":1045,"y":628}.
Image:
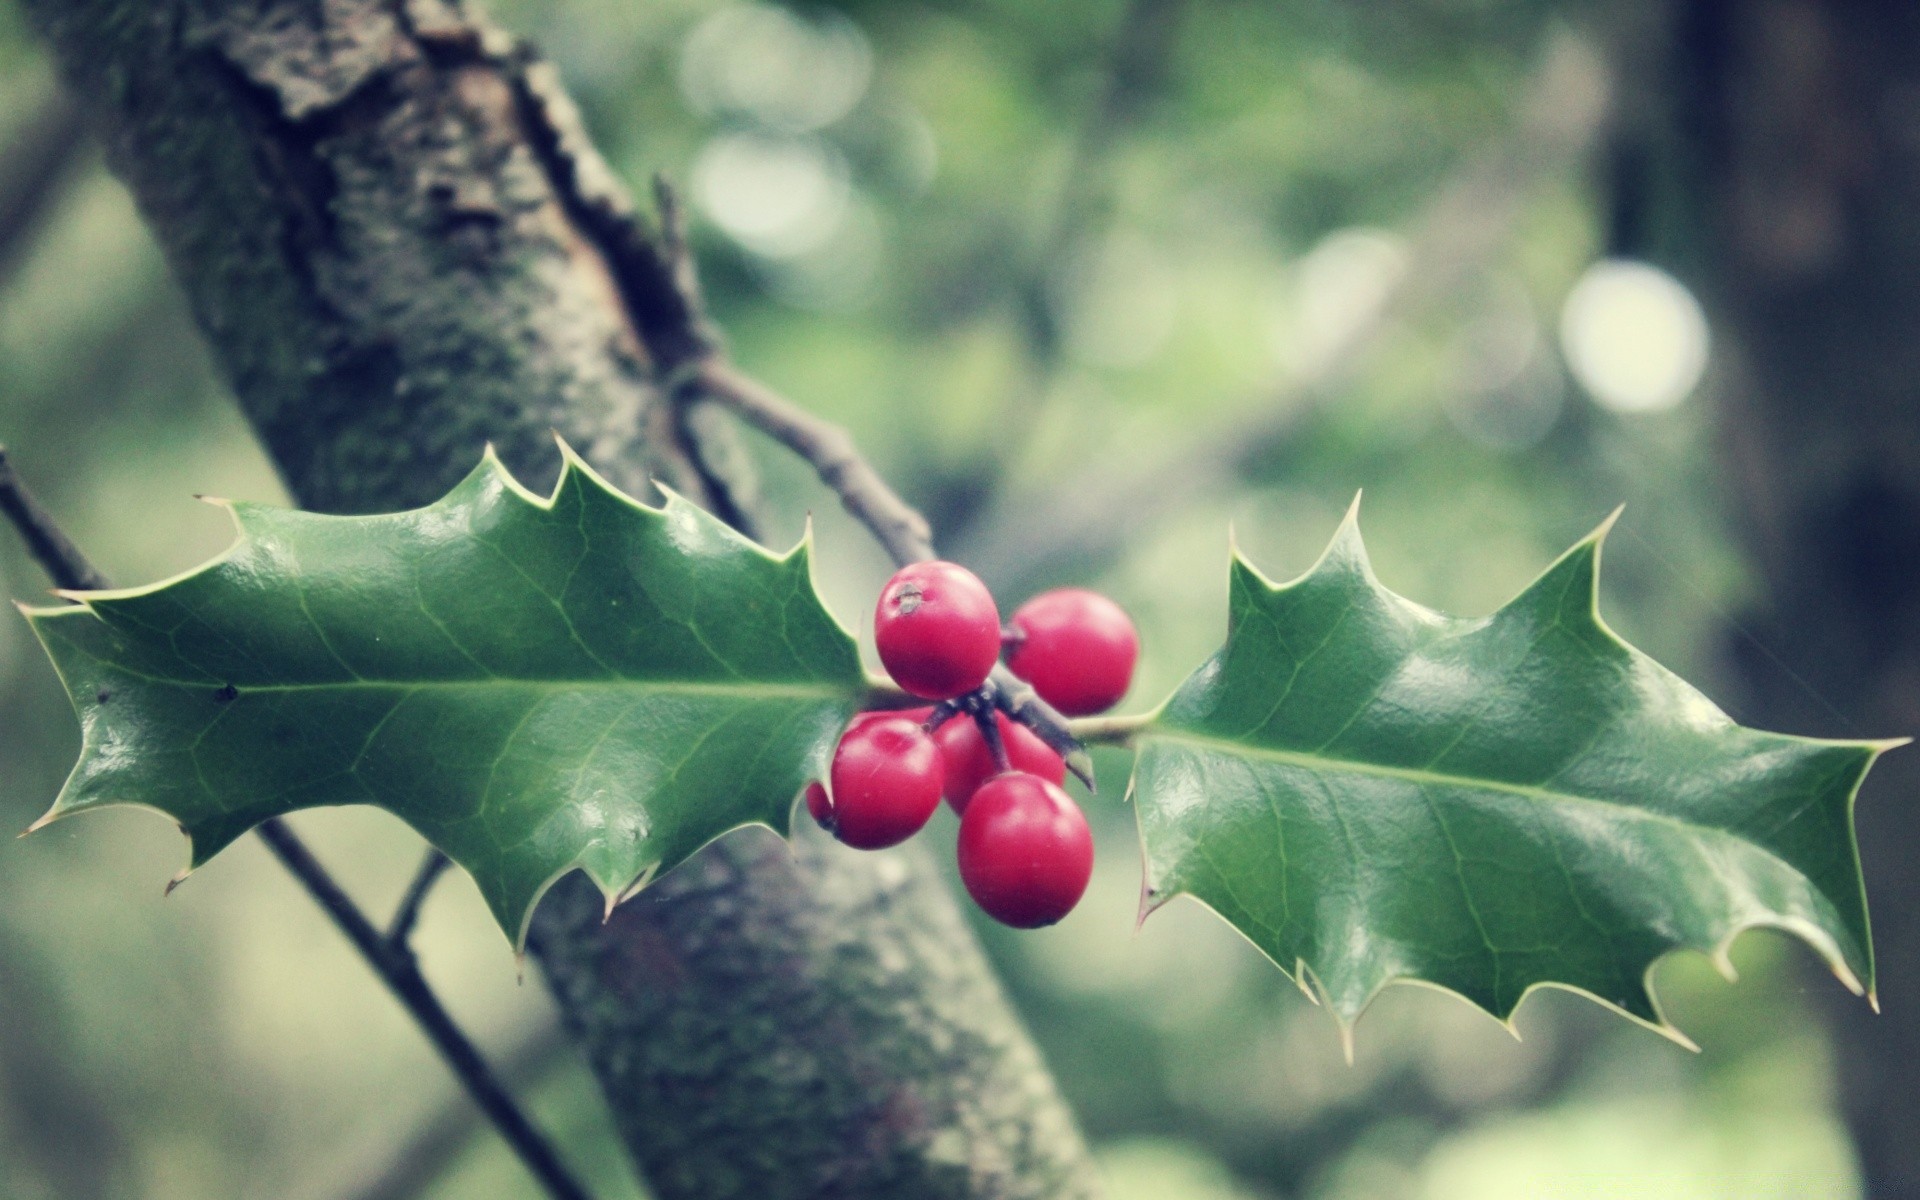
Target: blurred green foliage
{"x":945,"y":225}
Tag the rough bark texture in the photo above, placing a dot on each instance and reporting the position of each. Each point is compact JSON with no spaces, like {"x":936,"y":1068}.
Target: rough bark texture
{"x":1799,"y":123}
{"x":400,"y":248}
{"x":771,"y":1001}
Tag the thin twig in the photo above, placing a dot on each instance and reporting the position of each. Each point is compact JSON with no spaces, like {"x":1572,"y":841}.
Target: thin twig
{"x":894,"y":523}
{"x":401,"y":974}
{"x":56,"y":554}
{"x":900,"y":528}
{"x":407,"y":915}
{"x":392,"y":962}
{"x":700,"y":373}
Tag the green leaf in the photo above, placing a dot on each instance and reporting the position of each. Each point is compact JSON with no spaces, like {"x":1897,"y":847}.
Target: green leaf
{"x":1371,"y":791}
{"x":534,"y":685}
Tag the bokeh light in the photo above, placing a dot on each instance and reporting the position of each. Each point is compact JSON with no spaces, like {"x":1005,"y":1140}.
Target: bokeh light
{"x":1634,"y":337}
{"x":771,"y":67}
{"x":778,"y":196}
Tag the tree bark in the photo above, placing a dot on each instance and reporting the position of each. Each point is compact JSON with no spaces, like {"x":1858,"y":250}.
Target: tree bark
{"x":401,"y":247}
{"x":1797,"y":121}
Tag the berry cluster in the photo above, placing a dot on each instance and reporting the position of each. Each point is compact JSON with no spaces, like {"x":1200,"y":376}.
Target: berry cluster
{"x":1025,"y":851}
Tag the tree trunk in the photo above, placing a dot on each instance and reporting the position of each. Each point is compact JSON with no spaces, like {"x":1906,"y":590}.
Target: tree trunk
{"x":401,"y":247}
{"x":1800,"y":126}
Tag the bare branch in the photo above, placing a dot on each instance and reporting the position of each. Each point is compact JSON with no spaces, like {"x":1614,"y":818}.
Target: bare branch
{"x":390,"y":960}
{"x":898,"y":527}
{"x":895,"y":524}
{"x":52,"y":549}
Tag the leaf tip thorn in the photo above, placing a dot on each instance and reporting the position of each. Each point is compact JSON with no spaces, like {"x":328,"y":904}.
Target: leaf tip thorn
{"x":1344,"y":1023}
{"x":45,"y":819}
{"x":1605,"y":527}
{"x":1150,"y":902}
{"x":1722,"y":959}
{"x":176,"y":881}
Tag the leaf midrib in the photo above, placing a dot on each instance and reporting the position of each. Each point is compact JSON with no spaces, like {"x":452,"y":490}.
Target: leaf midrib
{"x":1426,"y":777}
{"x":798,"y":691}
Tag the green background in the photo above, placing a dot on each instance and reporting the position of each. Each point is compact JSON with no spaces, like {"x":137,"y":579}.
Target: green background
{"x":1014,"y":295}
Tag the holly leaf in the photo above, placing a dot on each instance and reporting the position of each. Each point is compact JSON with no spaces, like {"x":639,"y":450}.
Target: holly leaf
{"x":1371,"y":791}
{"x":533,"y":684}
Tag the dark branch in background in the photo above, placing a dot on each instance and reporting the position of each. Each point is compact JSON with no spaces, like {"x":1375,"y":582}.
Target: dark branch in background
{"x":36,"y":165}
{"x":411,"y":1169}
{"x":1140,"y":47}
{"x":1093,"y":514}
{"x":389,"y":958}
{"x":1143,"y":43}
{"x":401,"y":973}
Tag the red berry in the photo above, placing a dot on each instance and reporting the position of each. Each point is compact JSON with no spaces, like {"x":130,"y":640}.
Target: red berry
{"x":1025,"y":851}
{"x":970,"y":760}
{"x":820,"y":804}
{"x":1076,"y":648}
{"x":937,"y":630}
{"x":886,"y":782}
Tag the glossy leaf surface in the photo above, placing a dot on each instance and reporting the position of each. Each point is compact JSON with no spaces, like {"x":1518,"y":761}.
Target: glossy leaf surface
{"x":533,"y":684}
{"x":1372,"y":791}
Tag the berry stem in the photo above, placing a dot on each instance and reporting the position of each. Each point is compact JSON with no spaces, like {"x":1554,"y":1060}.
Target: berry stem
{"x":1108,"y":731}
{"x":943,"y":712}
{"x":984,"y":716}
{"x":1018,"y":700}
